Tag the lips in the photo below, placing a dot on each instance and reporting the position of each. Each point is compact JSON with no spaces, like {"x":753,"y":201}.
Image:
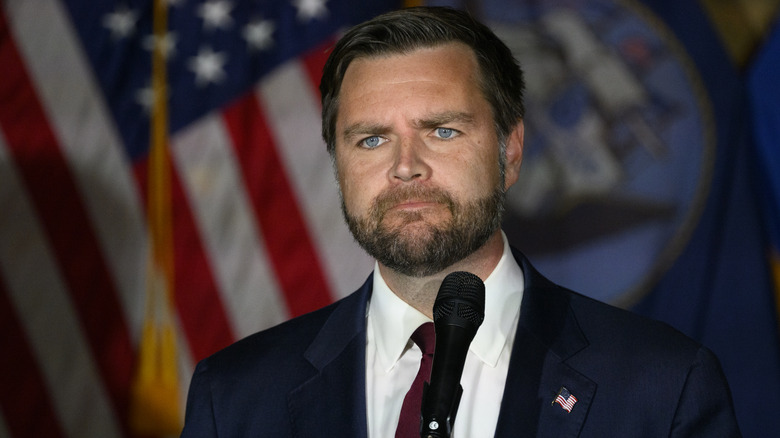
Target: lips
{"x":415,"y":204}
{"x":410,"y":198}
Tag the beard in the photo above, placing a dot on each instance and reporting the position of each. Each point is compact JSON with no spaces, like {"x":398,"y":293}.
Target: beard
{"x":416,"y":247}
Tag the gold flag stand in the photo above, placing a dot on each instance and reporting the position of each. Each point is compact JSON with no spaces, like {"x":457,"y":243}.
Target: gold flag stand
{"x":155,"y":404}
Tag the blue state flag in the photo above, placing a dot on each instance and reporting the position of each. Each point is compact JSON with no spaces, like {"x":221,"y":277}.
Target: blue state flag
{"x":764,"y":92}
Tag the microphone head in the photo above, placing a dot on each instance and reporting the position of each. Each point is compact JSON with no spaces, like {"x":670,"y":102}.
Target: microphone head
{"x":461,"y":301}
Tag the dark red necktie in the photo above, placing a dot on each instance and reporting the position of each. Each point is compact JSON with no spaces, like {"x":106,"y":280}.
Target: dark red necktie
{"x":409,"y":422}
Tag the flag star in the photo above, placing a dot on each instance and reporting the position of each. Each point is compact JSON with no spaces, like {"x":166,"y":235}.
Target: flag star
{"x":310,"y":9}
{"x":166,"y":43}
{"x":121,"y":22}
{"x":208,"y":66}
{"x":216,"y":14}
{"x":258,"y":34}
{"x":145,"y":98}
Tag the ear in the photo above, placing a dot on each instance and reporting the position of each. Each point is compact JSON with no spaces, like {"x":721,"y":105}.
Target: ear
{"x":514,"y":154}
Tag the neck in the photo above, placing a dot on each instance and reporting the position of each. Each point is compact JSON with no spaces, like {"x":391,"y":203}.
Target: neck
{"x":420,"y":292}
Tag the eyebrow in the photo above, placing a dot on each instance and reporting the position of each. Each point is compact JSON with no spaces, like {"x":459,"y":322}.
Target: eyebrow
{"x":360,"y":128}
{"x":444,"y":118}
{"x":429,"y":122}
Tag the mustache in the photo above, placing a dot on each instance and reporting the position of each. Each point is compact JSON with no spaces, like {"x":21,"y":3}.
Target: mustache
{"x":389,"y":198}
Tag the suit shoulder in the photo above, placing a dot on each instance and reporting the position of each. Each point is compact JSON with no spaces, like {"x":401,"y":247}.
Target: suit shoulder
{"x":549,"y":309}
{"x":673,"y":380}
{"x":612,"y":329}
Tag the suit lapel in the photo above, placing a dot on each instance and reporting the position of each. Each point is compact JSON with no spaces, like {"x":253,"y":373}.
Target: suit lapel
{"x":547,"y":336}
{"x":333,"y":401}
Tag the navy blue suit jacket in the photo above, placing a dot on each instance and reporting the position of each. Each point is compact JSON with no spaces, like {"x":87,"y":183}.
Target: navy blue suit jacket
{"x":632,"y":377}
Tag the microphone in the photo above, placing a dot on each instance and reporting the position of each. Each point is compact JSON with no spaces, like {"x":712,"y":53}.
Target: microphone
{"x":458,"y":311}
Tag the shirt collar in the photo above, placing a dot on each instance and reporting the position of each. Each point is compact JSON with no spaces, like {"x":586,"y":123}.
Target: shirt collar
{"x":393,"y":321}
{"x":503,"y":295}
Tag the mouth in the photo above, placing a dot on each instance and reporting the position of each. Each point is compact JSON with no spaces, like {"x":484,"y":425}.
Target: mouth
{"x":411,"y":200}
{"x":415,"y":204}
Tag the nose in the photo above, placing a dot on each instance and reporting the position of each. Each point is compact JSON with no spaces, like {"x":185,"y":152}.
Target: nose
{"x":409,"y":163}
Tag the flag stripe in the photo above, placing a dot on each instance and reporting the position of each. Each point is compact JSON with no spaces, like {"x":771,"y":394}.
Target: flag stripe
{"x":314,"y":62}
{"x":40,"y":299}
{"x":185,"y":361}
{"x":24,"y":398}
{"x":197,"y":300}
{"x":196,"y":296}
{"x":274,"y":202}
{"x":292,"y":104}
{"x":47,"y":177}
{"x":89,"y":143}
{"x":211,"y":176}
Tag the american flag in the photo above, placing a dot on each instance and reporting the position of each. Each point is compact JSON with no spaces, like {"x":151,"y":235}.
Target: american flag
{"x":565,"y":399}
{"x":257,"y":232}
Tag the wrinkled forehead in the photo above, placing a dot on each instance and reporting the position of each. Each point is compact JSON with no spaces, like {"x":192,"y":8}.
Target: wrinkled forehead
{"x":439,"y":73}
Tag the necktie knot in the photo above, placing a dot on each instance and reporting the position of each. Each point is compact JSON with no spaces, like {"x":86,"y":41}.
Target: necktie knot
{"x":425,"y":338}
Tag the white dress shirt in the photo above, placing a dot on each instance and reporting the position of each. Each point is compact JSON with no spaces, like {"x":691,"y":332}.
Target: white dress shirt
{"x":392,"y":360}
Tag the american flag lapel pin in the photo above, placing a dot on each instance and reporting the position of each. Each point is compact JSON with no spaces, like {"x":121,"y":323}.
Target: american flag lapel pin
{"x":565,"y":399}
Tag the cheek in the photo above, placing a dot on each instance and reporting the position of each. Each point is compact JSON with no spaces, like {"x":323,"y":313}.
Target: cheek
{"x":358,"y":171}
{"x":478,"y":172}
{"x":353,"y":187}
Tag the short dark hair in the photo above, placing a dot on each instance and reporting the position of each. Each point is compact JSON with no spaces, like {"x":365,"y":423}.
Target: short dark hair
{"x":409,"y":29}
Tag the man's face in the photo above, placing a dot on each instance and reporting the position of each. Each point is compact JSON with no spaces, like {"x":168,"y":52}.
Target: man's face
{"x":417,"y":158}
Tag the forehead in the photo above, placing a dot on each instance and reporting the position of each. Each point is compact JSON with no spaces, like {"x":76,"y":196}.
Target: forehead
{"x":453,"y":58}
{"x":442,"y":75}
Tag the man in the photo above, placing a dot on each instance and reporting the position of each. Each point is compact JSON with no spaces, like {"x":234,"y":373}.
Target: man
{"x":422,"y":115}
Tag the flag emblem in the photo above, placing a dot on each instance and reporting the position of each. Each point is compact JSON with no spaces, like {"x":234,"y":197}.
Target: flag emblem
{"x":565,"y":399}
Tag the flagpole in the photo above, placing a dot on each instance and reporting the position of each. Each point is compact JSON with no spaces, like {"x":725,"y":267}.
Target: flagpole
{"x":155,"y":407}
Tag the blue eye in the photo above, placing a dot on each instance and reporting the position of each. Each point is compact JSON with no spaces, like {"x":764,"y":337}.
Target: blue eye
{"x":445,"y":132}
{"x":372,"y":142}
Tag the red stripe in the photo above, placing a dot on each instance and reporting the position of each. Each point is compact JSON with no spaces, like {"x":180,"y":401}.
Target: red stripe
{"x":290,"y":247}
{"x":196,"y":296}
{"x":55,"y":197}
{"x":197,"y":299}
{"x":24,"y":397}
{"x":314,"y":61}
